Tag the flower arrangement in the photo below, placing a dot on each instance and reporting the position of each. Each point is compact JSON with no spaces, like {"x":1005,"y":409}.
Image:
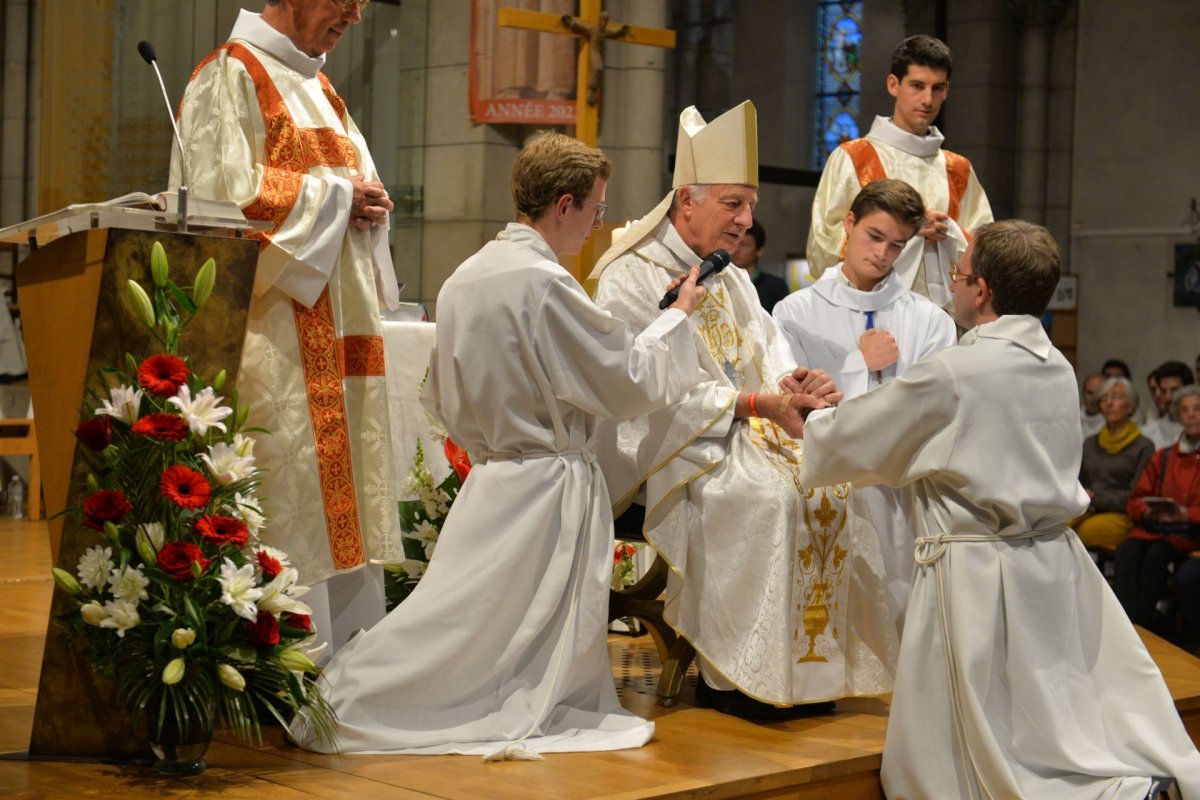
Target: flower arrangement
{"x":422,"y":517}
{"x":179,"y":603}
{"x":624,"y":570}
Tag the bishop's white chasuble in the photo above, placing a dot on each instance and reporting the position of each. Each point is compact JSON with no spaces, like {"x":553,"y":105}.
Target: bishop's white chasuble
{"x":778,"y":585}
{"x":264,"y":129}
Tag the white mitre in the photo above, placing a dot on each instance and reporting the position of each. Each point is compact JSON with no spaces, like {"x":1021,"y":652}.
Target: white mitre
{"x":722,"y":151}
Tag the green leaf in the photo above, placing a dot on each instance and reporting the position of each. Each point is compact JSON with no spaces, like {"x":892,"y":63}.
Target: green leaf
{"x":182,"y":298}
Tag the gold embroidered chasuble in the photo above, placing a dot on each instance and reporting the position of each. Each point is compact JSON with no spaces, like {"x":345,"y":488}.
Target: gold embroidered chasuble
{"x":778,"y":585}
{"x":280,"y":144}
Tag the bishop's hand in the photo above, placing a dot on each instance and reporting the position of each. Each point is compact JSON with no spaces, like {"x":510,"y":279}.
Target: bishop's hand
{"x":814,"y":382}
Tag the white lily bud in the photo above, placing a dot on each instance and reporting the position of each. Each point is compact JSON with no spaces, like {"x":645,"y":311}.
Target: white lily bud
{"x":173,"y":671}
{"x":182,"y":637}
{"x":231,"y":677}
{"x":93,"y":613}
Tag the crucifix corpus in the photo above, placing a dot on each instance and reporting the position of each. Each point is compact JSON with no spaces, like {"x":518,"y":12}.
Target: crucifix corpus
{"x":593,"y":28}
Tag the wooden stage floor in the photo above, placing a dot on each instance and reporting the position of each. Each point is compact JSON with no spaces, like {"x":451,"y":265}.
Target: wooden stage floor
{"x":696,"y":753}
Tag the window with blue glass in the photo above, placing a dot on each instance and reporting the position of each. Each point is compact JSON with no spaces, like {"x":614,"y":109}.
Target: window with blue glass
{"x":839,"y":76}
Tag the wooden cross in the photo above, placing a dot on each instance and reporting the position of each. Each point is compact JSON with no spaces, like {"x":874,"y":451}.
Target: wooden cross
{"x":593,"y":28}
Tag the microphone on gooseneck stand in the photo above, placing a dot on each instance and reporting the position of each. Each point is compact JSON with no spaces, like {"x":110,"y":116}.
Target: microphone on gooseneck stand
{"x":147,"y":52}
{"x":713,"y":263}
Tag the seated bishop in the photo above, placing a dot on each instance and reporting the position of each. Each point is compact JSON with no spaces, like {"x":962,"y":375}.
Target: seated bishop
{"x":779,"y":586}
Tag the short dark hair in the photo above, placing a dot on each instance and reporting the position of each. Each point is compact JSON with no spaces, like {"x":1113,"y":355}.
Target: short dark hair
{"x":1021,"y":263}
{"x":1174,"y":369}
{"x":759,"y":233}
{"x":552,"y":165}
{"x":923,"y":50}
{"x":1118,"y":364}
{"x":893,"y":197}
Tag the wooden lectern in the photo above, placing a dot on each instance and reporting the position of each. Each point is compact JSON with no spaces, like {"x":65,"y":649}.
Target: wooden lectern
{"x":76,"y":320}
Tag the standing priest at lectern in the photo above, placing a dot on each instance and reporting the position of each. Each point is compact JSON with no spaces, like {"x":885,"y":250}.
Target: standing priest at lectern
{"x":262,"y":127}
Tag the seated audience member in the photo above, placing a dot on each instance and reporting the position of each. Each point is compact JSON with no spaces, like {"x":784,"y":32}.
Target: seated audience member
{"x":749,"y":250}
{"x":1170,"y":377}
{"x":1116,"y":368}
{"x":1113,"y":459}
{"x":1165,"y":509}
{"x":1090,"y":418}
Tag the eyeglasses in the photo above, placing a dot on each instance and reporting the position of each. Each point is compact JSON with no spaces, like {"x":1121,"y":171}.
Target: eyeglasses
{"x":600,"y":209}
{"x":955,"y":275}
{"x":350,"y":5}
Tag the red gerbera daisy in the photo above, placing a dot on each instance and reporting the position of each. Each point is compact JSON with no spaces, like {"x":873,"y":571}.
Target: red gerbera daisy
{"x":163,"y":374}
{"x":185,"y":487}
{"x":269,"y":565}
{"x":164,"y":427}
{"x":221,"y":530}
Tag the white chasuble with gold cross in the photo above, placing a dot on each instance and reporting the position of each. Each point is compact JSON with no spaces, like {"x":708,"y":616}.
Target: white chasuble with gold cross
{"x":779,"y":586}
{"x":263,"y":128}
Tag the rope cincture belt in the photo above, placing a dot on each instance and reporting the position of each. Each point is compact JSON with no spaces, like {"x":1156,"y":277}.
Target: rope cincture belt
{"x":494,"y":455}
{"x":928,"y":553}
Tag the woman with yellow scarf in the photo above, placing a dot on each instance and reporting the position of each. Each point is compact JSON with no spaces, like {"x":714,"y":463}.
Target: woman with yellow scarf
{"x":1112,"y":461}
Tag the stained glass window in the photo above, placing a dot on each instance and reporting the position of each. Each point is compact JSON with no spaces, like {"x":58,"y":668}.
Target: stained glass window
{"x":839,"y":76}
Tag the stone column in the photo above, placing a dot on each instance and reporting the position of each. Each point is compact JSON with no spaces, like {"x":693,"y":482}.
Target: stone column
{"x":1037,"y":19}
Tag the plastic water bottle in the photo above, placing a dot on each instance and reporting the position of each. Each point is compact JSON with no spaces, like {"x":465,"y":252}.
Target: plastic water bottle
{"x":16,"y":498}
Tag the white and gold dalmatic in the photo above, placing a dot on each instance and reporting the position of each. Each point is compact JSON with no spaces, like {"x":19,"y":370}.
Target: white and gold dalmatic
{"x":778,"y":586}
{"x":263,"y":128}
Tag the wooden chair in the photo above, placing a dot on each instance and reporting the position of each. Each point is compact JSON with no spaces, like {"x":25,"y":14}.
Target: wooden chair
{"x":643,"y":601}
{"x":18,"y":437}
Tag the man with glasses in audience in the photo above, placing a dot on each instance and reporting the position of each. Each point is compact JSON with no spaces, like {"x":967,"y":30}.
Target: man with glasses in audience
{"x":262,"y":127}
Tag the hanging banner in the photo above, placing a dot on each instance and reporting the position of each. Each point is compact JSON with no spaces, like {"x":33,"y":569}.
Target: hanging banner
{"x":521,"y":76}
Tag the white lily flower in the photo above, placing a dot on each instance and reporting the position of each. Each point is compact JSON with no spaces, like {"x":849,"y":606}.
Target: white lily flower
{"x":123,"y":404}
{"x":224,"y":462}
{"x":201,"y":412}
{"x":128,"y":584}
{"x":244,"y":445}
{"x":426,"y":533}
{"x":282,"y":592}
{"x":248,"y":510}
{"x":413,"y":568}
{"x":238,"y":590}
{"x":94,"y":566}
{"x":122,"y":615}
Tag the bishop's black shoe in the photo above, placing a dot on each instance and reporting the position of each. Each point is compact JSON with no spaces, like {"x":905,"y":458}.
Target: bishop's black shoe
{"x":741,"y":705}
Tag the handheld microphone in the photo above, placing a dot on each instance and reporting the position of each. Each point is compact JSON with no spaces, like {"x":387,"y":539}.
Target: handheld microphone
{"x":713,"y":263}
{"x":146,"y":50}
